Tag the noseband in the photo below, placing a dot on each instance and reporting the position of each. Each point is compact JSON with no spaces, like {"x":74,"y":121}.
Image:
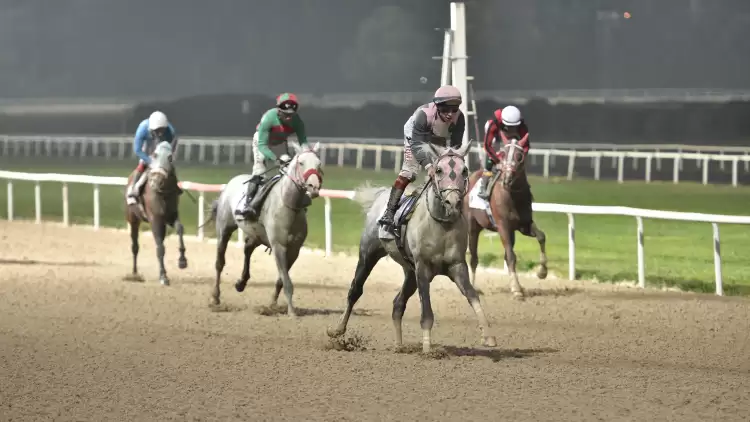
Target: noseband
{"x":298,"y":178}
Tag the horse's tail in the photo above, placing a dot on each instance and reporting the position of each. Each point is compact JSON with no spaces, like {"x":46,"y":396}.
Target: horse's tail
{"x":366,"y":195}
{"x":213,"y":211}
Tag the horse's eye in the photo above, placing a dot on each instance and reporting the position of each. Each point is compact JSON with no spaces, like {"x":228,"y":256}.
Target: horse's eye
{"x":438,"y":170}
{"x":465,"y":172}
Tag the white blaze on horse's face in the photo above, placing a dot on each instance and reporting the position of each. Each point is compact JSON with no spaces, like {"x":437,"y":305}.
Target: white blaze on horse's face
{"x":513,"y":159}
{"x":307,"y":169}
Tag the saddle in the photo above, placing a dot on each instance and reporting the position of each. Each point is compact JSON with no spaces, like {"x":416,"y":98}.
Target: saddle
{"x":404,"y":212}
{"x":261,"y":191}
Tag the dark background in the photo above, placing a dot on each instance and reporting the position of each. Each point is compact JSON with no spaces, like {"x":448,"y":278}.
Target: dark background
{"x":199,"y":60}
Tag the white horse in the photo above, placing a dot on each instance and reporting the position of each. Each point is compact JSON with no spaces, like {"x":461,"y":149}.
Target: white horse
{"x":281,"y":223}
{"x":432,"y":242}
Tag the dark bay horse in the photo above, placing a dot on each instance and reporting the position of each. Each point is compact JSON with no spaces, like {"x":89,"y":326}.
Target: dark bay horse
{"x":158,"y":206}
{"x":509,"y":210}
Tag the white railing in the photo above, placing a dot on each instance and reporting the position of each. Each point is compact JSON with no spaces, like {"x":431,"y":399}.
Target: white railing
{"x":236,"y":151}
{"x":569,"y":210}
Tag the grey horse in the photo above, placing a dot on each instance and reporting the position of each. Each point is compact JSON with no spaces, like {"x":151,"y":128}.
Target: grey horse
{"x":281,"y":224}
{"x":158,"y":206}
{"x":434,"y":243}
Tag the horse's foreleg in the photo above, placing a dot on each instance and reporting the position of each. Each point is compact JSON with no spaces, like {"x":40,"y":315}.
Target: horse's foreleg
{"x":242,"y":282}
{"x":399,"y":303}
{"x":459,"y":274}
{"x":506,"y":235}
{"x":474,"y":229}
{"x":159,"y":230}
{"x":134,"y":247}
{"x":537,"y":233}
{"x":223,"y":237}
{"x":282,"y":265}
{"x":182,"y":261}
{"x":424,"y":275}
{"x":365,"y":264}
{"x":291,"y":258}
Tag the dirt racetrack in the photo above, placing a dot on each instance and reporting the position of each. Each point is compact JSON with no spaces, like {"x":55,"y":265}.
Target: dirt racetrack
{"x":78,"y":343}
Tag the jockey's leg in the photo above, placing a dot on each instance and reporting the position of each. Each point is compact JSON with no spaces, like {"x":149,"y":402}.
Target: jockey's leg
{"x":483,"y":192}
{"x":133,"y":191}
{"x":407,"y":175}
{"x":259,"y":168}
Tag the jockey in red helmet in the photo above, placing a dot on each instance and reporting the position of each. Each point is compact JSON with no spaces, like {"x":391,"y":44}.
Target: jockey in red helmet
{"x":275,"y":127}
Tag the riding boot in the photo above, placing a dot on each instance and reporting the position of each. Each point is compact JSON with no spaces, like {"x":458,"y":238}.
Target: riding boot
{"x":390,"y":210}
{"x":483,"y":191}
{"x":132,"y":189}
{"x":249,"y":211}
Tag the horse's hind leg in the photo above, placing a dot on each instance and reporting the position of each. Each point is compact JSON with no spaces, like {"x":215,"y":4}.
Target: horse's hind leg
{"x":242,"y":282}
{"x":223,"y":237}
{"x":182,"y":261}
{"x":459,"y":273}
{"x":367,"y":259}
{"x":399,"y":303}
{"x":536,"y":232}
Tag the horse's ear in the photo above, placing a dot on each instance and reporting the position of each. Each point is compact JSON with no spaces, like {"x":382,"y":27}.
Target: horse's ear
{"x":524,"y":140}
{"x":316,"y":147}
{"x":465,"y":148}
{"x":297,"y":149}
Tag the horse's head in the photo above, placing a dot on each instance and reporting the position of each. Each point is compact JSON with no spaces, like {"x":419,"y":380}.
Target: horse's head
{"x":161,"y":165}
{"x":511,"y":163}
{"x":451,"y":177}
{"x":306,"y":170}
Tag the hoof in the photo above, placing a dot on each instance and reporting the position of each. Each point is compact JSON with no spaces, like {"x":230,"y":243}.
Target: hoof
{"x":182,"y":263}
{"x":518,"y":296}
{"x":335,"y":332}
{"x":490,"y":341}
{"x":164,"y":281}
{"x":240,"y":285}
{"x":426,"y":347}
{"x":542,"y":273}
{"x":214,"y":301}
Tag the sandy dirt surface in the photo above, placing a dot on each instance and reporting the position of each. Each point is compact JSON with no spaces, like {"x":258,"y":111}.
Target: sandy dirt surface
{"x":79,"y":343}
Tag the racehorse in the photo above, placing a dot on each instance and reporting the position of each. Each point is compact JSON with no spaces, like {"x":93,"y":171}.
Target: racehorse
{"x":429,"y":239}
{"x":158,"y":206}
{"x":508,"y":210}
{"x":281,"y":224}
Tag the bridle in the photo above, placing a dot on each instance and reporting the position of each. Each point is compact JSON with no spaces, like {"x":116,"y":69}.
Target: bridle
{"x":297,"y":176}
{"x":512,"y":154}
{"x":438,"y":176}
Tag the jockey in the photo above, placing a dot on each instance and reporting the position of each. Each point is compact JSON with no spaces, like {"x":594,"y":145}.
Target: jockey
{"x":275,"y":127}
{"x":150,"y":132}
{"x":510,"y":121}
{"x":439,"y":122}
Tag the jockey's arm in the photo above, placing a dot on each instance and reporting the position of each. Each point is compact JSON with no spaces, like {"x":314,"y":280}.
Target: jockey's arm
{"x":527,"y":145}
{"x":264,"y":131}
{"x":457,"y":136}
{"x":489,"y":136}
{"x":420,"y":139}
{"x":141,"y":137}
{"x":299,"y":129}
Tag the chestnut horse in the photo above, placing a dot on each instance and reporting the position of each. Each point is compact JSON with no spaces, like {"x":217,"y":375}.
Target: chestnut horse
{"x":509,"y":210}
{"x":158,"y":206}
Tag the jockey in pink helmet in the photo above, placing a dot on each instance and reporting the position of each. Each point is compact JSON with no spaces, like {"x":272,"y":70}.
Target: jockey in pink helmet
{"x":439,"y":122}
